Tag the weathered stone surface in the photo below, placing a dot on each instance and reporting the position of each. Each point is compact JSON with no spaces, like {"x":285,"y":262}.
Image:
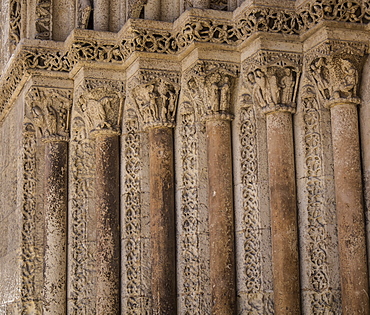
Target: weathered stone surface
{"x":154,"y":156}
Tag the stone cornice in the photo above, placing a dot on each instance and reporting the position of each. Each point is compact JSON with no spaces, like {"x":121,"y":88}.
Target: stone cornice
{"x":205,"y":26}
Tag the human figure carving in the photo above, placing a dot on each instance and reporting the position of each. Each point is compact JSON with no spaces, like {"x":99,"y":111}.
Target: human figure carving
{"x":287,"y":87}
{"x":225,"y":94}
{"x":97,"y":111}
{"x":85,"y":9}
{"x":348,"y":83}
{"x":213,"y":92}
{"x":261,"y":88}
{"x":320,"y":74}
{"x":272,"y":90}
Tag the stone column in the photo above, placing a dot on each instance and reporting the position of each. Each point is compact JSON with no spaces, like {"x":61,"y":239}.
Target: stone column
{"x":201,"y":4}
{"x":221,"y":215}
{"x":107,"y":221}
{"x":56,"y":206}
{"x":63,"y":12}
{"x":217,"y":86}
{"x":274,"y":89}
{"x":283,"y":207}
{"x":50,"y":109}
{"x":157,"y":102}
{"x":338,"y":90}
{"x":102,"y":107}
{"x":162,"y":220}
{"x":350,"y":208}
{"x":101,"y":15}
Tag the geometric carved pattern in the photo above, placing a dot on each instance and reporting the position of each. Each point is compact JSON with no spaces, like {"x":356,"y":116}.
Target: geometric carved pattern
{"x":81,"y":262}
{"x":257,"y":302}
{"x":322,"y":298}
{"x":135,"y":301}
{"x":232,"y":32}
{"x":189,"y":251}
{"x":28,"y":221}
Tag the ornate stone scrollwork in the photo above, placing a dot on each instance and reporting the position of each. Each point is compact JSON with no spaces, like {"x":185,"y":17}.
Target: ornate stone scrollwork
{"x":273,"y":84}
{"x":15,"y":23}
{"x":336,"y":76}
{"x":50,"y":110}
{"x":156,"y":100}
{"x":211,"y":88}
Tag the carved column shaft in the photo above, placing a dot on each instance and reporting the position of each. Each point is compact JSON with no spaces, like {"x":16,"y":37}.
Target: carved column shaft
{"x":108,"y":236}
{"x":56,"y":181}
{"x":162,"y":220}
{"x":283,"y":212}
{"x":350,"y":211}
{"x":221,"y":217}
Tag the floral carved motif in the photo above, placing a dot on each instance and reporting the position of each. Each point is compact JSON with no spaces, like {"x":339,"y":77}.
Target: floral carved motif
{"x":135,"y":300}
{"x":15,"y":22}
{"x":82,"y":264}
{"x":50,"y":111}
{"x":322,"y":299}
{"x":29,"y":258}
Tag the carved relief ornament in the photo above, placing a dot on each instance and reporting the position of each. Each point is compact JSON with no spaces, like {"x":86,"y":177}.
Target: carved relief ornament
{"x":156,"y":98}
{"x":210,"y":87}
{"x":49,"y":109}
{"x":100,"y":106}
{"x":335,"y":72}
{"x":272,"y":80}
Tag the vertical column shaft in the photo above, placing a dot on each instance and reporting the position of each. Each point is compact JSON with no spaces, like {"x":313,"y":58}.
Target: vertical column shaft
{"x":152,"y":10}
{"x":162,"y":220}
{"x":283,"y":213}
{"x":201,"y":4}
{"x":101,"y":15}
{"x":63,"y":23}
{"x":350,"y":211}
{"x":107,"y":209}
{"x":221,"y":218}
{"x":56,"y":179}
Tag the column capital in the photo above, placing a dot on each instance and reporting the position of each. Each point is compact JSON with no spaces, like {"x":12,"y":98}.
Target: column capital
{"x":155,"y":94}
{"x":272,"y":79}
{"x":334,"y":68}
{"x":100,"y":104}
{"x":49,"y":110}
{"x":210,"y":87}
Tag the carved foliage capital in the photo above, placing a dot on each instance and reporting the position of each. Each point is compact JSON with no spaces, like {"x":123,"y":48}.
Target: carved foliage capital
{"x":210,"y":86}
{"x":155,"y":95}
{"x":272,"y":79}
{"x":49,"y":110}
{"x":335,"y":68}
